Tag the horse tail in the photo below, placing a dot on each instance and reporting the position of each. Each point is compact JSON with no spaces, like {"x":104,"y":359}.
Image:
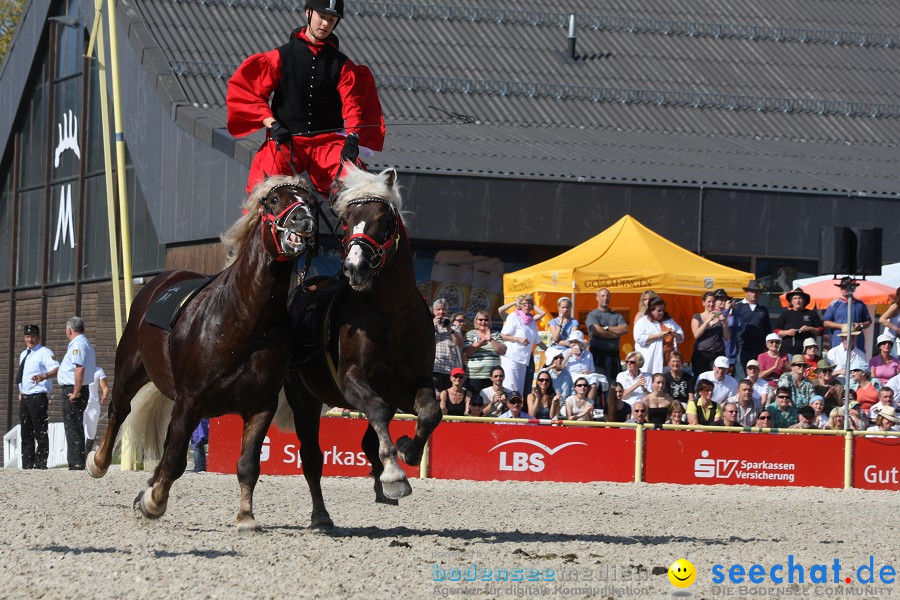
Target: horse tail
{"x":284,"y":414}
{"x":144,"y":431}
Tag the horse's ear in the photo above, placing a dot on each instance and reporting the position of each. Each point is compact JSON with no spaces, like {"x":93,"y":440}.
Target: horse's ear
{"x":390,"y":177}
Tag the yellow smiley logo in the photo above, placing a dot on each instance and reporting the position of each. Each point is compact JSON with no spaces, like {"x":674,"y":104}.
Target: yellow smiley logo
{"x":682,"y":573}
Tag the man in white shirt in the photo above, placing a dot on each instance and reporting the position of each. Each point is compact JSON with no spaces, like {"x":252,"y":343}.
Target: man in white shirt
{"x":724,"y":385}
{"x":35,"y":386}
{"x":838,"y":356}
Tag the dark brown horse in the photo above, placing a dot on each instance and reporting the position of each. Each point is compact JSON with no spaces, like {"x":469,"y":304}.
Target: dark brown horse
{"x":379,"y":354}
{"x":226,"y":353}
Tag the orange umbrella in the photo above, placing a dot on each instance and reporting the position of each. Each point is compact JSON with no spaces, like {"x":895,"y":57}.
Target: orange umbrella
{"x":821,"y":293}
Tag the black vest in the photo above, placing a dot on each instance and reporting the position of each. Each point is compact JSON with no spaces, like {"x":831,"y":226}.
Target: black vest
{"x":306,"y":99}
{"x":714,"y":408}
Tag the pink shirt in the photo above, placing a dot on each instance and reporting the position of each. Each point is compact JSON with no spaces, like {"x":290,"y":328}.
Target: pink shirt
{"x":767,"y":361}
{"x":884,"y":371}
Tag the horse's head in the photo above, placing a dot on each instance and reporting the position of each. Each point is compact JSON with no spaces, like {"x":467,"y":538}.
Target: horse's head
{"x":369,"y":208}
{"x":289,"y":221}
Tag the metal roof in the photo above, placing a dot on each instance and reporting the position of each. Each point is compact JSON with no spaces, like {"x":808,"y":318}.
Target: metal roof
{"x":755,"y":94}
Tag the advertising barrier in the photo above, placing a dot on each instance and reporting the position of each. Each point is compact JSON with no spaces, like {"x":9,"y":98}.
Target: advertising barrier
{"x":488,"y":451}
{"x":875,"y":463}
{"x":502,"y":451}
{"x":743,"y":458}
{"x":339,"y":439}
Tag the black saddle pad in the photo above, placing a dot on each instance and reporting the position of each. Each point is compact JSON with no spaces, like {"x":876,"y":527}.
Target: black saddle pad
{"x":310,"y":317}
{"x":165,"y":310}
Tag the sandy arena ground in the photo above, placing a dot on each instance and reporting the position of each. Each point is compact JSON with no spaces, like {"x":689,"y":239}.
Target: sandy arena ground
{"x":67,"y":536}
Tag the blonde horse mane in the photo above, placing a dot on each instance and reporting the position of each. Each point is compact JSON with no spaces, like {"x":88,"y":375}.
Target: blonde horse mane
{"x":238,"y":234}
{"x":356,"y":183}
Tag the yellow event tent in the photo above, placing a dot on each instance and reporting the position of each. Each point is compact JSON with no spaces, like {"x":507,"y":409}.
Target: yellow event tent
{"x":627,"y":259}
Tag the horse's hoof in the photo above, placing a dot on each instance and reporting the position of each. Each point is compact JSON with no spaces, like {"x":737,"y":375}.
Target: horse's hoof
{"x":91,"y":467}
{"x":321,"y":523}
{"x":144,"y":507}
{"x":405,"y":451}
{"x":396,"y":489}
{"x":248,"y":526}
{"x":382,"y":499}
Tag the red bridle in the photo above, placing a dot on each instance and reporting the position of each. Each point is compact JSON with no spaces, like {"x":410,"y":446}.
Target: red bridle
{"x":377,"y":250}
{"x":276,"y":222}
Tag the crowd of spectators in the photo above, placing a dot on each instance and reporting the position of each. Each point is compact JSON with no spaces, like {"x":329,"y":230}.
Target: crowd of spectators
{"x":747,"y":369}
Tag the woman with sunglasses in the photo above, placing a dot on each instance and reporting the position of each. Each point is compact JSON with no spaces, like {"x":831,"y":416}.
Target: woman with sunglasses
{"x":482,"y":351}
{"x":578,"y":406}
{"x":456,"y":398}
{"x":884,"y":366}
{"x":543,"y":401}
{"x":764,"y":419}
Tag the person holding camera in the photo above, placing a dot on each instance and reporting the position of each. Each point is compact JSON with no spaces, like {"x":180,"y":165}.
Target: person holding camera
{"x":323,"y":109}
{"x":711,"y":331}
{"x":447,"y":346}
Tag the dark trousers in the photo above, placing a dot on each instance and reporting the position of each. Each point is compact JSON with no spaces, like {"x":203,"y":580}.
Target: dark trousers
{"x":607,"y":362}
{"x":73,"y":423}
{"x":33,"y":416}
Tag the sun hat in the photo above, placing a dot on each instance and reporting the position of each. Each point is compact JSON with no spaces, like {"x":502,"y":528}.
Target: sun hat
{"x":810,"y":342}
{"x":798,"y":292}
{"x":550,"y":354}
{"x":798,"y":360}
{"x":824,"y":364}
{"x":576,"y":336}
{"x":843,"y":332}
{"x":884,"y":337}
{"x":890,"y":414}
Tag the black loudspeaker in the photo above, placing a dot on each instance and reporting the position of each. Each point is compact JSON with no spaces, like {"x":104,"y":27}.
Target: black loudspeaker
{"x":837,"y":254}
{"x":868,"y":251}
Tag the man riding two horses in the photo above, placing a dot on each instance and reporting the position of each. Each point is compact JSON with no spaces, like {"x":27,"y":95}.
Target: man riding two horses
{"x":324,"y":106}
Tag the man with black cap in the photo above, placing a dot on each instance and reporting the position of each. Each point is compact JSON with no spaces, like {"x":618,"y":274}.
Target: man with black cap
{"x":797,"y":323}
{"x":35,"y":385}
{"x":835,"y":316}
{"x":806,"y":418}
{"x":323,"y":109}
{"x":752,"y":324}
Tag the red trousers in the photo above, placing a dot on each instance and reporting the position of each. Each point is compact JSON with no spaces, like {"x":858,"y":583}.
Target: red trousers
{"x":318,"y":156}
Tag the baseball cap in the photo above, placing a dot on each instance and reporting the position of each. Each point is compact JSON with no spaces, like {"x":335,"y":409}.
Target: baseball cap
{"x":773,"y":337}
{"x":807,"y":411}
{"x":721,"y":362}
{"x":752,"y":363}
{"x":457,"y":371}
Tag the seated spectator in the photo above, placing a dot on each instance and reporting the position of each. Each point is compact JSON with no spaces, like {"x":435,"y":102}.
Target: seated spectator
{"x":806,"y":418}
{"x":828,"y":386}
{"x":729,"y":416}
{"x":579,"y":362}
{"x":563,"y":325}
{"x":544,"y":401}
{"x":656,"y":335}
{"x":620,"y":410}
{"x":812,"y":357}
{"x":703,"y":410}
{"x":494,"y":397}
{"x":635,"y":381}
{"x":818,"y":404}
{"x":482,"y":350}
{"x":784,"y":414}
{"x":884,"y":366}
{"x":562,"y":381}
{"x":886,"y":398}
{"x":838,"y":355}
{"x":724,"y":385}
{"x":761,"y":388}
{"x":764,"y":419}
{"x":748,"y":408}
{"x":658,"y":401}
{"x":801,"y":388}
{"x":455,"y":398}
{"x":676,"y":414}
{"x":638,"y":413}
{"x":475,"y":407}
{"x":835,"y":419}
{"x":679,"y":383}
{"x":514,"y":407}
{"x":887,"y":420}
{"x":894,"y":384}
{"x":578,"y":406}
{"x":865,"y":387}
{"x":859,"y":418}
{"x":773,"y":362}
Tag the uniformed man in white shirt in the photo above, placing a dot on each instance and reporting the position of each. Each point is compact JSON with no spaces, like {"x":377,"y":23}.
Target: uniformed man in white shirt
{"x":74,"y":375}
{"x":35,"y":363}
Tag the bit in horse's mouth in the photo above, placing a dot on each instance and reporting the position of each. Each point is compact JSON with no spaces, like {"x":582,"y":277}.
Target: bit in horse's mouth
{"x":293,"y":241}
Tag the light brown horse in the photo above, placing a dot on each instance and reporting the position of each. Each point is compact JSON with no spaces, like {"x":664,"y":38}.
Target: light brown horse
{"x":227,"y":352}
{"x":380,"y":352}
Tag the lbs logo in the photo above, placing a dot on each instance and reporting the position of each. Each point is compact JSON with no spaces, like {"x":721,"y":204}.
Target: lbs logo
{"x":525,"y":461}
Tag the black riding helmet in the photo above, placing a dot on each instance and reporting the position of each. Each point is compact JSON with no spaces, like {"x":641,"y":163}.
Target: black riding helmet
{"x":330,"y":7}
